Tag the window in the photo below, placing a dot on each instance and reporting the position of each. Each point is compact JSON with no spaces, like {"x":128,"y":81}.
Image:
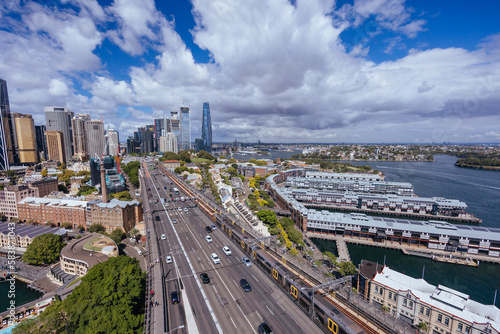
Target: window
{"x":440,"y":318}
{"x":446,"y":321}
{"x":405,"y":301}
{"x":376,"y":288}
{"x":381,"y":291}
{"x":394,"y":297}
{"x":467,"y":330}
{"x":410,"y":305}
{"x":390,"y":295}
{"x":421,"y":310}
{"x":427,"y":311}
{"x":460,"y":328}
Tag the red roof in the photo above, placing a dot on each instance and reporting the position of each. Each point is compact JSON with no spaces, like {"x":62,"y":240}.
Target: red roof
{"x":170,"y":161}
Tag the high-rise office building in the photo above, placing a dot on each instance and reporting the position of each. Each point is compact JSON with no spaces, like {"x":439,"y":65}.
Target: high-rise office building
{"x":113,"y":142}
{"x":206,"y":128}
{"x":95,"y":138}
{"x":55,"y":146}
{"x":185,"y":129}
{"x":175,"y":125}
{"x":59,"y":119}
{"x":79,"y":125}
{"x":168,"y":143}
{"x":26,"y":138}
{"x":147,"y":140}
{"x":8,"y":149}
{"x":41,"y":142}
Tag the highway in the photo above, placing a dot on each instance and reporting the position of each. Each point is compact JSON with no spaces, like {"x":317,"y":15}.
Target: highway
{"x":222,"y":306}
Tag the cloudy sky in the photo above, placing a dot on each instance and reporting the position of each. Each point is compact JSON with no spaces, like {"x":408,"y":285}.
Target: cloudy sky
{"x":276,"y":70}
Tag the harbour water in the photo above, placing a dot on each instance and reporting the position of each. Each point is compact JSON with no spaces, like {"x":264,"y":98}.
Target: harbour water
{"x":23,"y":295}
{"x":273,"y":154}
{"x":480,"y":189}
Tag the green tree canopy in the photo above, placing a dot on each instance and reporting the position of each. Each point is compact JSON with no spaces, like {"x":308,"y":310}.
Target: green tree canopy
{"x":86,"y":190}
{"x":96,"y":228}
{"x":205,"y":155}
{"x":185,"y":156}
{"x":268,"y":217}
{"x":44,"y":249}
{"x":117,"y":235}
{"x":110,"y":299}
{"x":123,"y":196}
{"x":62,"y":187}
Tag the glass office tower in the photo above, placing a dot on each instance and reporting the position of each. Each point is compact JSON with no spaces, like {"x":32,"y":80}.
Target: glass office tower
{"x":185,"y":129}
{"x":206,"y":128}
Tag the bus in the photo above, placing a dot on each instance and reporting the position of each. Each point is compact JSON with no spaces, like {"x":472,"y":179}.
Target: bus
{"x":176,"y":191}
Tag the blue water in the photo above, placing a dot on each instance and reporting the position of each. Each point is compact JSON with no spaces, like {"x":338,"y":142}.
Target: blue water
{"x":480,"y":189}
{"x":23,"y":295}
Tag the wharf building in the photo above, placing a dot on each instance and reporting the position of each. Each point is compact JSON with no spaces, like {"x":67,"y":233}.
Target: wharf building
{"x":378,"y":202}
{"x":432,"y":234}
{"x":444,"y":310}
{"x":380,"y":187}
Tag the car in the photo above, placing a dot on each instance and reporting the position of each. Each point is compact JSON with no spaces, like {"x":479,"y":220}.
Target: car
{"x":244,"y":284}
{"x":132,"y":239}
{"x":163,"y":237}
{"x":213,"y":227}
{"x":168,"y":259}
{"x":140,"y":253}
{"x":226,"y":250}
{"x":186,"y":210}
{"x":175,"y":297}
{"x":246,"y":261}
{"x":208,"y":229}
{"x":208,"y":238}
{"x":204,"y":278}
{"x":157,"y":218}
{"x":215,"y":258}
{"x":265,"y":329}
{"x":180,"y":209}
{"x":175,"y":221}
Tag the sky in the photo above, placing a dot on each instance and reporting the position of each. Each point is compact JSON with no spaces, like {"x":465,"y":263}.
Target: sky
{"x":280,"y":71}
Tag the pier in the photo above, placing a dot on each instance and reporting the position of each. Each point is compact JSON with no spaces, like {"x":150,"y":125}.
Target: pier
{"x":410,"y":249}
{"x":469,"y":219}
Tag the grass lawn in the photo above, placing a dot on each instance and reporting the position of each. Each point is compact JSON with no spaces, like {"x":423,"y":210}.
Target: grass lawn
{"x":89,"y":246}
{"x":74,"y":281}
{"x":200,"y":160}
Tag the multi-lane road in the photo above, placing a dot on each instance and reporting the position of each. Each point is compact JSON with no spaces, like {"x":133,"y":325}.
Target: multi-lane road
{"x":221,"y":306}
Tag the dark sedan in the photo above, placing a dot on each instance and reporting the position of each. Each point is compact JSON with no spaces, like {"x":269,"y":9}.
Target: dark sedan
{"x":205,"y":279}
{"x":244,"y":284}
{"x":176,"y":297}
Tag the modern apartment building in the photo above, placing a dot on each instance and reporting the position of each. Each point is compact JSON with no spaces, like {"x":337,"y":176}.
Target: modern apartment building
{"x":59,"y":119}
{"x":113,"y":138}
{"x":168,"y":143}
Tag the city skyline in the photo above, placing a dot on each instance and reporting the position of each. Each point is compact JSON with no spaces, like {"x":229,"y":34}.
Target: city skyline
{"x":313,"y":72}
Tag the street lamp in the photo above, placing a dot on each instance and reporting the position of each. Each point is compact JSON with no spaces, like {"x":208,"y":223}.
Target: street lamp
{"x":181,"y":326}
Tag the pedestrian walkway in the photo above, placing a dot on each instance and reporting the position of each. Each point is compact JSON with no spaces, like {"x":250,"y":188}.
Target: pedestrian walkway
{"x":342,"y":250}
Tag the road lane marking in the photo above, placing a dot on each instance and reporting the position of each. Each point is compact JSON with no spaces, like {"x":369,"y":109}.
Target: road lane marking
{"x":270,"y":310}
{"x":233,"y":322}
{"x":255,"y":278}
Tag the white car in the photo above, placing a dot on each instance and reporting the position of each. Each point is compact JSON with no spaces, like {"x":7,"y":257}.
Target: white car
{"x":175,"y":221}
{"x":185,"y":209}
{"x":215,"y":258}
{"x":226,"y":250}
{"x":168,"y":259}
{"x":214,"y":227}
{"x":208,"y":238}
{"x":163,"y":237}
{"x":180,"y":209}
{"x":246,"y":261}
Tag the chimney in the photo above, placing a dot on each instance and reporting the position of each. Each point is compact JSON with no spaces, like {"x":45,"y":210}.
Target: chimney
{"x":104,"y":190}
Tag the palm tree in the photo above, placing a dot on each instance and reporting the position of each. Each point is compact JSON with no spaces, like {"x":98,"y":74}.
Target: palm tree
{"x":423,"y":327}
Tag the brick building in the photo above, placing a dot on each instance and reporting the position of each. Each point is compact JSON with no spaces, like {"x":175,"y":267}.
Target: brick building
{"x":11,"y":196}
{"x":58,"y":211}
{"x":116,"y":214}
{"x":45,"y":186}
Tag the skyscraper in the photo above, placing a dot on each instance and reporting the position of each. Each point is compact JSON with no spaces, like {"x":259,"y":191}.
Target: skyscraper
{"x":26,"y":138}
{"x":55,"y":146}
{"x":8,"y":150}
{"x":206,"y":128}
{"x":113,"y":142}
{"x":79,"y":125}
{"x":41,"y":142}
{"x":175,"y":125}
{"x":185,"y":129}
{"x":168,"y":143}
{"x":95,"y":138}
{"x":59,"y":119}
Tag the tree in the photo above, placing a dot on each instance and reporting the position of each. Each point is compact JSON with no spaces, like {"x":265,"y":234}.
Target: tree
{"x":268,"y":217}
{"x":81,"y":228}
{"x":423,"y":327}
{"x":86,"y":190}
{"x":117,"y":235}
{"x":44,"y":173}
{"x":123,"y":196}
{"x":347,"y":268}
{"x":96,"y":228}
{"x":44,"y":249}
{"x":110,"y":299}
{"x":62,"y":188}
{"x":66,"y":225}
{"x":133,"y":232}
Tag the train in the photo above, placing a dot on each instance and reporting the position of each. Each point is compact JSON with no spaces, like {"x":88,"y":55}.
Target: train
{"x":325,"y":315}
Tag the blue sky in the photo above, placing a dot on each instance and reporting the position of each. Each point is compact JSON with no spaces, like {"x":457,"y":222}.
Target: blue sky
{"x":306,"y":71}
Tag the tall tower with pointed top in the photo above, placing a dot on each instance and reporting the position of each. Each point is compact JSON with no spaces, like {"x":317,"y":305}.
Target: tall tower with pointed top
{"x":206,"y":128}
